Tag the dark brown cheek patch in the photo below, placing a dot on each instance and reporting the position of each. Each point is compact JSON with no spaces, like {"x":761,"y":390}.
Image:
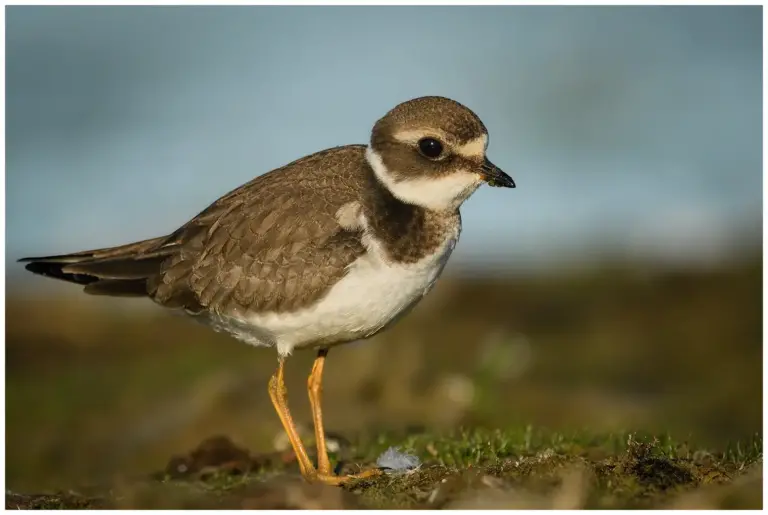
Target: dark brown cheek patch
{"x":406,"y":163}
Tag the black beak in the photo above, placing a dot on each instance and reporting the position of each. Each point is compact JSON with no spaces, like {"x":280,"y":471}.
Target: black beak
{"x":495,"y":177}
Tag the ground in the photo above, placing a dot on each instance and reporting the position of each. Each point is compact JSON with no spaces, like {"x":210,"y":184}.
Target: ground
{"x":524,"y":468}
{"x":561,"y":380}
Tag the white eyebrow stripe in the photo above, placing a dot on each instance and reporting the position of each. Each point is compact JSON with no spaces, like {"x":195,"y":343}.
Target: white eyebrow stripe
{"x":414,"y":135}
{"x":473,"y":148}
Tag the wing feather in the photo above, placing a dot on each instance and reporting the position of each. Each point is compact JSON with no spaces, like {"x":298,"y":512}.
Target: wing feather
{"x":272,"y":245}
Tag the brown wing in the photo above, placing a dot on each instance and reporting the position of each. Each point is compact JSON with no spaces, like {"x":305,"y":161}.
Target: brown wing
{"x":273,"y":244}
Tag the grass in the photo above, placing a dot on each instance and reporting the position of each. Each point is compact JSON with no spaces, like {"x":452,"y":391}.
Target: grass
{"x":521,"y":468}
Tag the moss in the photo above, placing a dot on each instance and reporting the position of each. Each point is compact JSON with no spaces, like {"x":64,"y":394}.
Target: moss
{"x":17,"y":501}
{"x":520,"y":467}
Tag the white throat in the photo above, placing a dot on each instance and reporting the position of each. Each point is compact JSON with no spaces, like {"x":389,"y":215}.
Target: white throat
{"x":438,"y":194}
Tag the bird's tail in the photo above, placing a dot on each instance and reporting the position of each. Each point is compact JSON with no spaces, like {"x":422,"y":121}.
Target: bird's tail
{"x":119,"y":271}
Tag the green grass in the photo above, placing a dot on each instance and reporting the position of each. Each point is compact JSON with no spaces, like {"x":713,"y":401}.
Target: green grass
{"x":521,"y":467}
{"x":625,"y":470}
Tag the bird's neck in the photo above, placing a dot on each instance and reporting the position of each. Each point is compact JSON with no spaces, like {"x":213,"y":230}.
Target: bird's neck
{"x":408,"y":231}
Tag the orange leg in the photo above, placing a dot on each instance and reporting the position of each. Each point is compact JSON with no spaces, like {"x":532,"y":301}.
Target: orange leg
{"x":277,"y":392}
{"x":315,"y":388}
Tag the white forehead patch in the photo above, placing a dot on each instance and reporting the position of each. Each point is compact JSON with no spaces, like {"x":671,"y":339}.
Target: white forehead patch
{"x":439,"y":194}
{"x":474,"y":148}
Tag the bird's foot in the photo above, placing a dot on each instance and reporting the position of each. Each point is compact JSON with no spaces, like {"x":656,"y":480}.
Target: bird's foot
{"x":332,"y":480}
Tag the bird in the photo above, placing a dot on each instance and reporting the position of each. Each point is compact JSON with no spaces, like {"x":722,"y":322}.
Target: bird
{"x":329,"y":249}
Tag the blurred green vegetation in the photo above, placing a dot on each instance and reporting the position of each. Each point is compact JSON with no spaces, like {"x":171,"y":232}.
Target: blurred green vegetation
{"x":104,"y":390}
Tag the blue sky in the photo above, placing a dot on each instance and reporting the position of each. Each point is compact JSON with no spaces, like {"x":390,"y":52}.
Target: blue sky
{"x":629,"y":130}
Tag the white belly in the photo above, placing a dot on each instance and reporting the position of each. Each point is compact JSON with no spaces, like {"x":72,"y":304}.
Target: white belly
{"x":372,"y":295}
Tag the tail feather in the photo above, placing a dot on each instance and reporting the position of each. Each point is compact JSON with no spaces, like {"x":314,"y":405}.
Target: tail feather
{"x":118,"y":288}
{"x":139,"y":247}
{"x":127,"y":267}
{"x":122,"y":270}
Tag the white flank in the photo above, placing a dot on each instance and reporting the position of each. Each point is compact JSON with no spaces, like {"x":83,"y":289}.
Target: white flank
{"x":440,"y":194}
{"x":373,"y":294}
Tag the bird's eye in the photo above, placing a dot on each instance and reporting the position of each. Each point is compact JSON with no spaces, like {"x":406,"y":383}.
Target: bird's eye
{"x":430,"y":147}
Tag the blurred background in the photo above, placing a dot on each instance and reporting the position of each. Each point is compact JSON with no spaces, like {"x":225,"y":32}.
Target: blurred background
{"x":618,"y":287}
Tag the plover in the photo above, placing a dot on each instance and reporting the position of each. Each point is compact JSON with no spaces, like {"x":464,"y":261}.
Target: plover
{"x":331,"y":248}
